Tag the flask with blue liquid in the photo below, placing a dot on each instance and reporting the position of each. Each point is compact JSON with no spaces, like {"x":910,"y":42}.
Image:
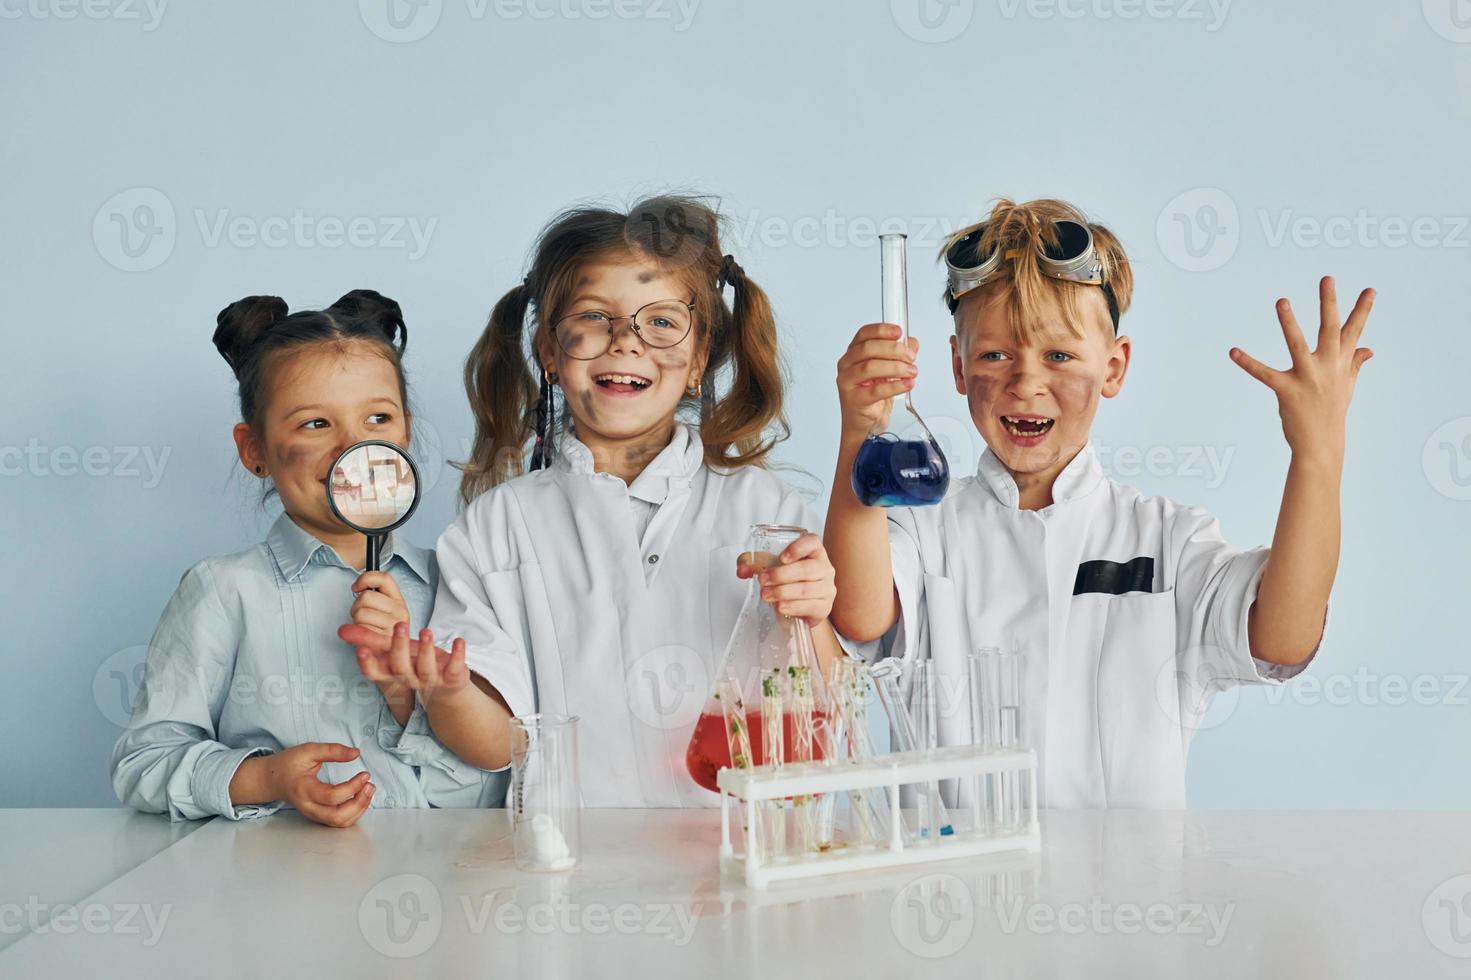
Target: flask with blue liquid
{"x":894,"y":470}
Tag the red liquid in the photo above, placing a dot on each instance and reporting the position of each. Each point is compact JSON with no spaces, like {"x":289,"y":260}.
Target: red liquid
{"x":709,"y":750}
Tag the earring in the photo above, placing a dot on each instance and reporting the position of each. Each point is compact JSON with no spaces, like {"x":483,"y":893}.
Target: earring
{"x":549,"y":376}
{"x":259,"y":470}
{"x":697,"y":390}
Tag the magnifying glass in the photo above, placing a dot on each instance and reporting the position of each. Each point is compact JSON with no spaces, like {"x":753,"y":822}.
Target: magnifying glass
{"x":373,"y":488}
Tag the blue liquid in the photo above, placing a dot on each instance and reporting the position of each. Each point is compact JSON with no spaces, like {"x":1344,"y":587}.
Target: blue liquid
{"x":894,"y":472}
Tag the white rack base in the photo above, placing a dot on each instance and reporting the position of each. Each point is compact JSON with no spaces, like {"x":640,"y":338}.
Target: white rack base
{"x":890,"y":772}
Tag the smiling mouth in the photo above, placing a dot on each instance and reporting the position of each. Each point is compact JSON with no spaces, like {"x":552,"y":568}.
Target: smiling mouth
{"x":622,"y":383}
{"x":1027,"y":426}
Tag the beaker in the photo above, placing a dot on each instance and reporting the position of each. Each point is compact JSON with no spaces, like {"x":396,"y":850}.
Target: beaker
{"x":546,"y":796}
{"x":770,"y":670}
{"x":897,"y":467}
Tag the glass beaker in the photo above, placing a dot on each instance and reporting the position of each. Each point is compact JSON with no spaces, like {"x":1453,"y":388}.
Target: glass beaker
{"x":771,"y":673}
{"x":892,"y":470}
{"x":545,"y":796}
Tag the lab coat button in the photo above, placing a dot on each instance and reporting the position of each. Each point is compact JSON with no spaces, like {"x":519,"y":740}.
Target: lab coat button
{"x":367,"y":730}
{"x":653,"y":559}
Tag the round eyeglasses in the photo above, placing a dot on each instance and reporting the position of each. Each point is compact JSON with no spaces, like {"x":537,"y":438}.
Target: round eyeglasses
{"x":588,"y":334}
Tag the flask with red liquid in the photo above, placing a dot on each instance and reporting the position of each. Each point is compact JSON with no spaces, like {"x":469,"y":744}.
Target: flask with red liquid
{"x":769,"y":697}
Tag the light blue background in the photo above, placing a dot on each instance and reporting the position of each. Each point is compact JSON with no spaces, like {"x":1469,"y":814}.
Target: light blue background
{"x":812,"y":122}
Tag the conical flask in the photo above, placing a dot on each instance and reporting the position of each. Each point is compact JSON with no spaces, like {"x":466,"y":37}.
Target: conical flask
{"x":768,"y":689}
{"x":900,"y":464}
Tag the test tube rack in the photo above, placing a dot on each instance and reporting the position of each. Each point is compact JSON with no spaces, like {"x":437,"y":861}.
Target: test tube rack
{"x":749,"y":787}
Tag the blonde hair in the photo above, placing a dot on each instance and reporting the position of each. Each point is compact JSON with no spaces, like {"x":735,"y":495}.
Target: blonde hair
{"x":1027,"y":292}
{"x":739,"y":424}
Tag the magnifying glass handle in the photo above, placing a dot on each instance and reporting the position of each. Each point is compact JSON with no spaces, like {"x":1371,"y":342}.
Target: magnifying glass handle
{"x":375,"y":552}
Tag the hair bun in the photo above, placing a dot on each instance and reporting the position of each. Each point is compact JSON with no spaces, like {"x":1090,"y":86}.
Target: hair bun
{"x":375,"y":308}
{"x":241,"y":325}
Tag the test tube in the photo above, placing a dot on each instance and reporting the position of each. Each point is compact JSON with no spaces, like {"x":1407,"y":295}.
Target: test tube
{"x":803,"y":736}
{"x":927,"y":736}
{"x":831,"y":738}
{"x":871,"y":813}
{"x":901,"y":725}
{"x":1008,"y":729}
{"x":983,"y":732}
{"x":773,"y":751}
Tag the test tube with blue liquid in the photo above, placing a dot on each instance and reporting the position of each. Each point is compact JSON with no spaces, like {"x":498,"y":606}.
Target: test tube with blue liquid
{"x":890,"y":469}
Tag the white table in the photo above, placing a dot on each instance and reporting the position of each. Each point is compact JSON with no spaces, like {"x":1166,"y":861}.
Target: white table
{"x":434,"y":893}
{"x":54,"y":857}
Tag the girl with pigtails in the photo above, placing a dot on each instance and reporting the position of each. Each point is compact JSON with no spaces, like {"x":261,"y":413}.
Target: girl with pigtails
{"x":605,"y":580}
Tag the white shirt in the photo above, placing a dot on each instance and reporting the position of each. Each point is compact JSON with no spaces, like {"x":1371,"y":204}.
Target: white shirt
{"x":1120,"y":658}
{"x":568,"y":606}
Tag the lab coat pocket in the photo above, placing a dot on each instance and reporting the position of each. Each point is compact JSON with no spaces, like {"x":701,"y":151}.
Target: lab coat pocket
{"x":944,"y":635}
{"x":1141,"y":741}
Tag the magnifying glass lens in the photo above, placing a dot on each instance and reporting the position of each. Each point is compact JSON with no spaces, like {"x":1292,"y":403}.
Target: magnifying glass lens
{"x":373,"y":486}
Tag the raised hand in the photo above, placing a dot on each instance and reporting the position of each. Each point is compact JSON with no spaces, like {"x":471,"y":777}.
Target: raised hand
{"x":874,"y":369}
{"x":1313,"y":394}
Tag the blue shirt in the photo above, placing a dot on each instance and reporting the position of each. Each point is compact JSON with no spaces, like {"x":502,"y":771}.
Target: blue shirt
{"x":246,"y":660}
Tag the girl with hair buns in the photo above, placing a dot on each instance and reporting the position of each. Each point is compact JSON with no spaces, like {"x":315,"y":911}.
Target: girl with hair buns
{"x":606,"y":581}
{"x":248,"y":702}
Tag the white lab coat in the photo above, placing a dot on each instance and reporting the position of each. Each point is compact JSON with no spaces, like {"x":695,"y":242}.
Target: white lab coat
{"x":566,"y":608}
{"x":1118,"y":677}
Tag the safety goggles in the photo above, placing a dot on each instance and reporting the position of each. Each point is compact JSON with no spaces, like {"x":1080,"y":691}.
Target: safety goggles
{"x":1072,"y":257}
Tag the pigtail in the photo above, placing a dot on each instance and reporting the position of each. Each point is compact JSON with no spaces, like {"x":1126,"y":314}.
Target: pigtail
{"x":240,"y":326}
{"x":734,"y":428}
{"x":501,"y":389}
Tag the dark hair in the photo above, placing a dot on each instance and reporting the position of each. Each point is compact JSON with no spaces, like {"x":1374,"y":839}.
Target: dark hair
{"x":250,"y":334}
{"x":738,"y":426}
